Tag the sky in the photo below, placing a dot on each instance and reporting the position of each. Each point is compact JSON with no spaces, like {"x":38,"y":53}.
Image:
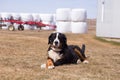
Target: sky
{"x":47,"y":6}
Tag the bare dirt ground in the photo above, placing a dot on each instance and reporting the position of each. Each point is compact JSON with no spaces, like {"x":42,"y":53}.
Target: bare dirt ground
{"x":22,"y":53}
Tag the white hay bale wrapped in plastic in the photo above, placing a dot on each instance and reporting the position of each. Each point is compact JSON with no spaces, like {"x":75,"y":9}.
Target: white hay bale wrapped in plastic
{"x":54,"y":19}
{"x":78,"y":15}
{"x":46,"y":17}
{"x":63,"y":26}
{"x":16,"y":26}
{"x":30,"y":17}
{"x":46,"y":27}
{"x":63,"y":14}
{"x":16,"y":16}
{"x":29,"y":27}
{"x":26,"y":27}
{"x":0,"y":16}
{"x":6,"y":15}
{"x":6,"y":27}
{"x":26,"y":17}
{"x":79,"y":27}
{"x":23,"y":16}
{"x":36,"y":17}
{"x":46,"y":22}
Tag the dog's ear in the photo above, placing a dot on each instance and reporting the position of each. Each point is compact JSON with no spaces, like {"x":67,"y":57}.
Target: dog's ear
{"x":64,"y":40}
{"x":50,"y":38}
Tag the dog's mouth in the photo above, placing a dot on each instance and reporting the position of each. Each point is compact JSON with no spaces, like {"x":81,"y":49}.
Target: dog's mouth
{"x":56,"y":48}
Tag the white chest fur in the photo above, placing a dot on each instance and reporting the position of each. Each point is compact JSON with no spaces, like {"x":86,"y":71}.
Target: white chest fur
{"x":54,"y":55}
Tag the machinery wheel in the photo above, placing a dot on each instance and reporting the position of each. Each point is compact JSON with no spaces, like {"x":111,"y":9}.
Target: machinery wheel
{"x":20,"y":27}
{"x":11,"y":28}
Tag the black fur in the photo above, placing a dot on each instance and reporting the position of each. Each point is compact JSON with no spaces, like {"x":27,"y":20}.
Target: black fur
{"x":68,"y":54}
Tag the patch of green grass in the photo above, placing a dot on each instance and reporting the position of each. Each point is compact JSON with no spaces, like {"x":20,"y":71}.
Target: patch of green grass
{"x":107,"y":41}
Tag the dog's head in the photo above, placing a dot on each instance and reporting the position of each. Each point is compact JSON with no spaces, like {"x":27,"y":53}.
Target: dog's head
{"x":57,"y":40}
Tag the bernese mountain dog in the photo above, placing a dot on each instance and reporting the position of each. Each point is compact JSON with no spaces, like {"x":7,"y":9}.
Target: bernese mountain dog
{"x":60,"y":53}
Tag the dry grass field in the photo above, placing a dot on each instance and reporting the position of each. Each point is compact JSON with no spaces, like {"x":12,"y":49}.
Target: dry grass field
{"x":22,"y":53}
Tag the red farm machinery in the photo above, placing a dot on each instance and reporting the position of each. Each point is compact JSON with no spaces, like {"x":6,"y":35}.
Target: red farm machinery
{"x":20,"y":24}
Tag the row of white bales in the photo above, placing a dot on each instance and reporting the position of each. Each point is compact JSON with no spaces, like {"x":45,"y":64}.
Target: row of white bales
{"x":45,"y":18}
{"x":66,"y":19}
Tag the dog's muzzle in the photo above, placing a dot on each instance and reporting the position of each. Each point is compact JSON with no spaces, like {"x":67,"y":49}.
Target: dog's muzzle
{"x":56,"y":44}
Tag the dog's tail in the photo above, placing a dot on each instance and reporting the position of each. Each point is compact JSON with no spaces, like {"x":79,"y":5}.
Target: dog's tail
{"x":83,"y":50}
{"x":81,"y":53}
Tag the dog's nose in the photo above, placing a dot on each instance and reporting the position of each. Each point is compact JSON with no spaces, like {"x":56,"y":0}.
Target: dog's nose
{"x":56,"y":42}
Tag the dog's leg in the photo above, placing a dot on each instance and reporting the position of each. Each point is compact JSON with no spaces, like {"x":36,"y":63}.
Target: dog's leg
{"x":59,"y":62}
{"x":81,"y":53}
{"x":50,"y":64}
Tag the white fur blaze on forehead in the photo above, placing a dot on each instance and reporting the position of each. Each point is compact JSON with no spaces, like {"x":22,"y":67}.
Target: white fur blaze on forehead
{"x":56,"y":39}
{"x":57,"y":35}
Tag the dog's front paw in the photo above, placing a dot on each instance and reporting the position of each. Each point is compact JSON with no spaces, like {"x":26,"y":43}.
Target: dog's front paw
{"x":43,"y":66}
{"x":51,"y":67}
